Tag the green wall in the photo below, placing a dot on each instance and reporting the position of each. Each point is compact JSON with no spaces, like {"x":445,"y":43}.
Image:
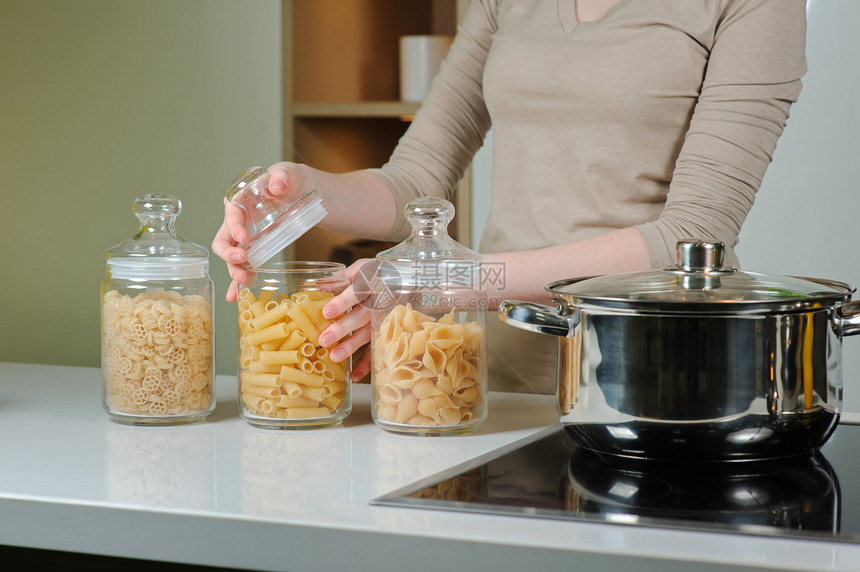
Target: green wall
{"x":105,"y":100}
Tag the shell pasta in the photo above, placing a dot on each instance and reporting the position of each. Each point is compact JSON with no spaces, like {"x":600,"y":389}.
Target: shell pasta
{"x":428,"y":372}
{"x":157,"y":353}
{"x":283,"y":373}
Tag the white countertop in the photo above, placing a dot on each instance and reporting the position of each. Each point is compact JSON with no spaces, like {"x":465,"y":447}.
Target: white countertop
{"x":224,"y":493}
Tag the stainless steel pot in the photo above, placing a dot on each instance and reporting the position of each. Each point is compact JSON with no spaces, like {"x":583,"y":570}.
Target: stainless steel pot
{"x":698,"y":360}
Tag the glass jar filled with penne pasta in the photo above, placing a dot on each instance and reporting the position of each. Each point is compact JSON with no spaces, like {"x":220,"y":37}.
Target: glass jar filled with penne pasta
{"x":428,"y":340}
{"x":286,"y":379}
{"x":158,"y":364}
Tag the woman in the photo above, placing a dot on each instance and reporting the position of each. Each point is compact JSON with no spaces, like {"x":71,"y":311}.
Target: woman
{"x":619,"y":127}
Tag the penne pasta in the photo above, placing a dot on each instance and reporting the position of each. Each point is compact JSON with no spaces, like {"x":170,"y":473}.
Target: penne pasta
{"x":302,"y":377}
{"x":334,"y":401}
{"x":261,"y":391}
{"x":272,"y":315}
{"x":287,"y":402}
{"x":261,"y":379}
{"x":307,"y":412}
{"x":338,"y":370}
{"x":262,"y":367}
{"x":292,"y":389}
{"x":316,"y":393}
{"x":293,"y":341}
{"x":305,"y":365}
{"x":336,"y":386}
{"x":273,"y":332}
{"x":280,"y":357}
{"x":284,"y":374}
{"x":317,"y":295}
{"x":266,"y":295}
{"x":307,"y":349}
{"x":257,"y":308}
{"x":306,"y":326}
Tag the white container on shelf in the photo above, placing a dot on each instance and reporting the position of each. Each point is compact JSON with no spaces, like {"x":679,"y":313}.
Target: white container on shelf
{"x":420,"y":59}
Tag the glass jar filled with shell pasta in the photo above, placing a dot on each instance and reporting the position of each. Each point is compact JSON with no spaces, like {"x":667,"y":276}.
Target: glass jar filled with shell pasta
{"x":286,"y":380}
{"x":428,"y":339}
{"x":157,"y":321}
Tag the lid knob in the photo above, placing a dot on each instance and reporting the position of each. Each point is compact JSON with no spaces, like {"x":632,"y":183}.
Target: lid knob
{"x":429,"y":210}
{"x":693,"y":255}
{"x":155,"y":205}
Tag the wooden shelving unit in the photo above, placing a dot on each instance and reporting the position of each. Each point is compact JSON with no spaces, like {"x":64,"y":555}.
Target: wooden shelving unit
{"x":341,"y":91}
{"x":401,"y":109}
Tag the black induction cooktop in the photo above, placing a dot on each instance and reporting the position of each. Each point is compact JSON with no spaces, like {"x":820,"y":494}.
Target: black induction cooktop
{"x":815,"y":495}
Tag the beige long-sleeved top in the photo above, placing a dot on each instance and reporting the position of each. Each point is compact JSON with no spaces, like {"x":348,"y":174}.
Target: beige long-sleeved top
{"x":662,"y":116}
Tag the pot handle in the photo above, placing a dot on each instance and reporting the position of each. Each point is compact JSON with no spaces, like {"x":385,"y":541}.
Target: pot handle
{"x":847,"y":319}
{"x":534,"y":317}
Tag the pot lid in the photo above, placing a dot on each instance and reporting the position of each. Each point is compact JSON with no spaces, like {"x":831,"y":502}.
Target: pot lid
{"x":700,"y":282}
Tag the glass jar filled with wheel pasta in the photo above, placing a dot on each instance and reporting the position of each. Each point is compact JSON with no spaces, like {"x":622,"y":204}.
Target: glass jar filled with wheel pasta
{"x":286,"y":380}
{"x":157,"y":322}
{"x":428,"y":339}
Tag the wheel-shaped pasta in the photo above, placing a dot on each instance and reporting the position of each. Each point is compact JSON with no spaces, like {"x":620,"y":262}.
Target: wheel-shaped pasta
{"x":157,"y":350}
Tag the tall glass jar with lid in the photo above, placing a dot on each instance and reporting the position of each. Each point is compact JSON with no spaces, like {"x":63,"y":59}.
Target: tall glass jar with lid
{"x":286,"y":380}
{"x":158,"y":364}
{"x":428,"y":340}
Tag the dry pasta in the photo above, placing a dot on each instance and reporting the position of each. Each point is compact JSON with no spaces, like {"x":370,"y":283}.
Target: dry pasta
{"x":428,"y":372}
{"x":284,"y":374}
{"x":157,"y":353}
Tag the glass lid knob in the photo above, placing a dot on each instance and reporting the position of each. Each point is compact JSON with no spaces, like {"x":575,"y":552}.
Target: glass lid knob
{"x":157,"y":206}
{"x":429,"y":210}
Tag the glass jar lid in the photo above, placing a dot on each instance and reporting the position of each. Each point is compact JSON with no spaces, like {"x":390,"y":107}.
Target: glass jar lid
{"x":273,"y":223}
{"x":429,"y":256}
{"x":157,"y":251}
{"x":700,"y":282}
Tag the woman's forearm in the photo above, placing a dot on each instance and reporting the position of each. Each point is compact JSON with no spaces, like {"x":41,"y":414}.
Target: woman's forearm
{"x":359,"y":203}
{"x":523,"y":275}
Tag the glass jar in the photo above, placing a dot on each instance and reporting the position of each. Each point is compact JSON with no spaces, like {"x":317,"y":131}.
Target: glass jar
{"x":428,"y":339}
{"x":157,"y":317}
{"x":286,"y":380}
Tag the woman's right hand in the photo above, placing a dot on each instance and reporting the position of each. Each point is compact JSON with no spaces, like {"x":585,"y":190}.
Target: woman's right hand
{"x":351,"y":312}
{"x":284,"y":179}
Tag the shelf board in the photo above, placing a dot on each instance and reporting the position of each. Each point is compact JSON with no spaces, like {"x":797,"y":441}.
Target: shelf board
{"x":394,"y":109}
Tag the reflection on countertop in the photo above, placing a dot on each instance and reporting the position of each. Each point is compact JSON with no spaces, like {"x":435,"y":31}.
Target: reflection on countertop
{"x":161,"y":466}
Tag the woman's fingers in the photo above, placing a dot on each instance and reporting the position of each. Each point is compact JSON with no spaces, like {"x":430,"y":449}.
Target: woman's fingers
{"x":279,"y":179}
{"x":222,"y":242}
{"x":225,"y":247}
{"x":351,"y":344}
{"x":285,"y":179}
{"x":356,"y":293}
{"x":239,"y":275}
{"x":233,"y":291}
{"x":234,"y":221}
{"x":352,"y":329}
{"x":357,"y":267}
{"x":361,"y":368}
{"x":341,"y":303}
{"x":349,"y":323}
